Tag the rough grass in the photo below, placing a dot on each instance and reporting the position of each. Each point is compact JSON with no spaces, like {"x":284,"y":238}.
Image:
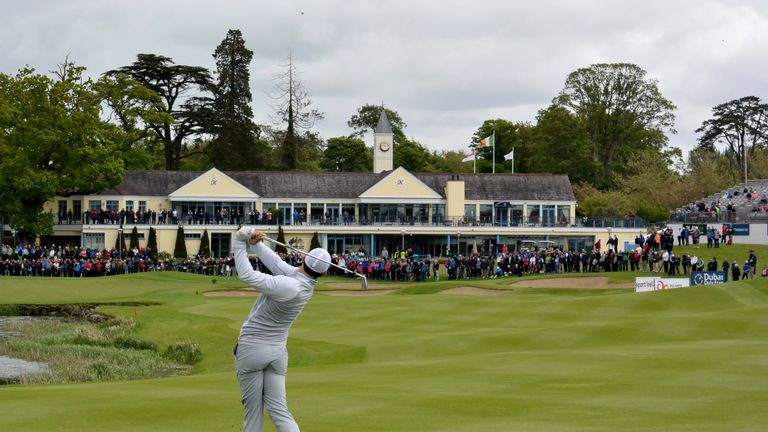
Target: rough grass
{"x":85,"y":352}
{"x":535,"y":360}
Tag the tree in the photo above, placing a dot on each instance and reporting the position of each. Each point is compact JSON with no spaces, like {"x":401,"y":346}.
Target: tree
{"x":180,"y":250}
{"x":152,"y":244}
{"x":132,"y":107}
{"x":315,"y":242}
{"x":450,"y":161}
{"x":293,"y":108}
{"x":367,"y":118}
{"x":175,"y":84}
{"x":622,"y":110}
{"x":205,"y":245}
{"x":506,"y":138}
{"x":235,"y":144}
{"x":281,"y":238}
{"x":412,"y":156}
{"x":120,"y":244}
{"x":53,"y":141}
{"x":134,"y":238}
{"x":347,"y":154}
{"x":740,"y":126}
{"x":559,"y":144}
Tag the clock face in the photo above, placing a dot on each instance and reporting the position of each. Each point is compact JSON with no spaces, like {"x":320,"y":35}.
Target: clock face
{"x":384,"y":146}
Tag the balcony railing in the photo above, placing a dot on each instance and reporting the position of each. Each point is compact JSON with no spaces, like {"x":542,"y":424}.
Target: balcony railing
{"x":627,"y":222}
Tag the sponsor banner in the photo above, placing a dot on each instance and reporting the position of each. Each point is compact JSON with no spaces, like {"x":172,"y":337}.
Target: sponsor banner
{"x":645,"y":284}
{"x":740,"y":229}
{"x":708,"y":278}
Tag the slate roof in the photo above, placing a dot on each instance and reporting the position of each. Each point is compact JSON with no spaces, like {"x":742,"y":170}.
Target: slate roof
{"x":349,"y":185}
{"x":383,"y":126}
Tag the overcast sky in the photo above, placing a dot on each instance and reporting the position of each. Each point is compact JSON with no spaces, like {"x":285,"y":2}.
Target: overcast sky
{"x":445,"y":66}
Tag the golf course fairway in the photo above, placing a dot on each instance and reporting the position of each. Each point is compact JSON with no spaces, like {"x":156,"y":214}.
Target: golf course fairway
{"x":531,"y":359}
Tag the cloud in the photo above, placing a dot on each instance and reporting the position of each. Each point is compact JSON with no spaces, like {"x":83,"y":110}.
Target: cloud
{"x":445,"y":66}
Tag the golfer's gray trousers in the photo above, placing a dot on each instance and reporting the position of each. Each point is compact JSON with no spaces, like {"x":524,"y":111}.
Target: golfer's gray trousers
{"x":261,"y":372}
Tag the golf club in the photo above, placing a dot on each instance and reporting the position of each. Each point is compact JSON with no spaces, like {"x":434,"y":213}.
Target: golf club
{"x":363,"y":279}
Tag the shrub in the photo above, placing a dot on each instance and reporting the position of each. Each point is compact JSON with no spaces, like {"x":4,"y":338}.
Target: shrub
{"x":183,"y":352}
{"x":180,"y":251}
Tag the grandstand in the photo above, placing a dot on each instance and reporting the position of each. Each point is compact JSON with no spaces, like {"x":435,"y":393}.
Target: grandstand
{"x":742,"y":203}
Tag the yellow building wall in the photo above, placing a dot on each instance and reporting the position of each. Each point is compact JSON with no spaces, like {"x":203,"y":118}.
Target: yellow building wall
{"x":454,"y":197}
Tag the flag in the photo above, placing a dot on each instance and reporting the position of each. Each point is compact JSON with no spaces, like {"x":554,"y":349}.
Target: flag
{"x":470,"y":157}
{"x":487,"y":142}
{"x":510,"y":155}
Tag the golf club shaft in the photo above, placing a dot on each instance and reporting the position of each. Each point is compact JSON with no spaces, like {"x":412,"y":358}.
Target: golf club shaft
{"x":306,"y":254}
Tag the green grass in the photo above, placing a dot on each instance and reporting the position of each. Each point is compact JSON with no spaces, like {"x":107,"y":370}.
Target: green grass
{"x":690,"y":359}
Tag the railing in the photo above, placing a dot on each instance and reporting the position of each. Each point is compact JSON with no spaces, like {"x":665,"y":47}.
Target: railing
{"x":626,"y":222}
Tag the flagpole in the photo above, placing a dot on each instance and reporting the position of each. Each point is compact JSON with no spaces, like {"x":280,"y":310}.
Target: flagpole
{"x":493,"y":161}
{"x":513,"y":160}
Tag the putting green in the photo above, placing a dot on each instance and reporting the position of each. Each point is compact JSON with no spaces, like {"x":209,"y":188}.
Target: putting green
{"x":536,"y":359}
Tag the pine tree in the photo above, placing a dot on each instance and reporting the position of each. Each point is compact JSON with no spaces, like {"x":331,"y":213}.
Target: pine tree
{"x":281,"y":239}
{"x":315,"y":243}
{"x":134,"y":238}
{"x":180,"y":251}
{"x":205,"y":245}
{"x":235,"y":144}
{"x":152,"y":244}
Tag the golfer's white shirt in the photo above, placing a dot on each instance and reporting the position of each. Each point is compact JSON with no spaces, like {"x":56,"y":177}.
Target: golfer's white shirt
{"x":284,"y":295}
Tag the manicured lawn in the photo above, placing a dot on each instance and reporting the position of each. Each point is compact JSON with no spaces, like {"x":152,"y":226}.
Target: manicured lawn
{"x":533,"y":360}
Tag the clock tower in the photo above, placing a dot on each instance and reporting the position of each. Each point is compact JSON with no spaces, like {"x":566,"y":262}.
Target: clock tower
{"x":383,"y":140}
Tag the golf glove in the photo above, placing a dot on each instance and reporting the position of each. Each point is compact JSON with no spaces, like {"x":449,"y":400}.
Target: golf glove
{"x":243,"y":234}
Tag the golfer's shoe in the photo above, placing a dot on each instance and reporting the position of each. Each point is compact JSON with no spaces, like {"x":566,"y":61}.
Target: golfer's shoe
{"x":243,"y":234}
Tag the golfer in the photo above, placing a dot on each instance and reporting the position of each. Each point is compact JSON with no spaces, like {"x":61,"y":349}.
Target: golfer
{"x":260,"y":353}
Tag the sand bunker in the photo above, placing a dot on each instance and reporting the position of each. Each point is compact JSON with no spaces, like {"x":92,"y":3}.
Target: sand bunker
{"x":232,"y":293}
{"x":356,"y":285}
{"x":473,"y":291}
{"x":595,"y":282}
{"x":359,"y":293}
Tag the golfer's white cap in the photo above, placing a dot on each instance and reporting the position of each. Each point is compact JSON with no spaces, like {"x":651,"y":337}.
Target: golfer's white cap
{"x":315,"y":260}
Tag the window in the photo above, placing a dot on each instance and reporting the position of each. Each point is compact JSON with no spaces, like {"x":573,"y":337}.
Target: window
{"x":516,"y":214}
{"x":438,"y":213}
{"x":470,"y":212}
{"x":93,"y":241}
{"x":548,"y":215}
{"x":533,"y":214}
{"x":486,"y":213}
{"x":94,"y":205}
{"x":62,"y":207}
{"x":112,"y":205}
{"x":192,"y":236}
{"x":128,"y":204}
{"x":143,"y":205}
{"x":77,"y":209}
{"x":563,"y":215}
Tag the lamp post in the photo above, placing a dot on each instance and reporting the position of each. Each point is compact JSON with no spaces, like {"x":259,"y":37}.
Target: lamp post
{"x":402,"y":240}
{"x":120,"y":241}
{"x":458,"y":243}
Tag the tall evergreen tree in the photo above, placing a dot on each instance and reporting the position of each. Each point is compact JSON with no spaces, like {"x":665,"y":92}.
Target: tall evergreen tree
{"x":315,"y":242}
{"x":152,"y":244}
{"x":281,"y":239}
{"x":235,"y":144}
{"x":180,"y":250}
{"x":205,"y":245}
{"x":134,"y":238}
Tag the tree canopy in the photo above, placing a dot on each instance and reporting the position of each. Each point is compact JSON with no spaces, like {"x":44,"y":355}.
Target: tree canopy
{"x":740,"y":127}
{"x":53,"y":141}
{"x":367,"y":118}
{"x":347,"y":154}
{"x":181,"y":88}
{"x":622,"y":111}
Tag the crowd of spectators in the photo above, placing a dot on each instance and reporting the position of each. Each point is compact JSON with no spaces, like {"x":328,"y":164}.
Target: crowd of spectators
{"x":651,"y":253}
{"x":723,"y":208}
